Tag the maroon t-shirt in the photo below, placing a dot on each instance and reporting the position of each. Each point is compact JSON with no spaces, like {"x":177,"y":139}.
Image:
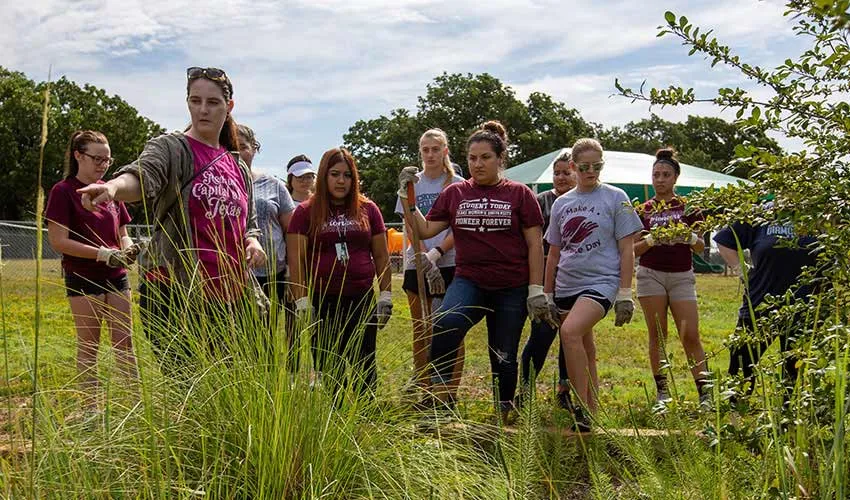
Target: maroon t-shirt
{"x":330,"y":274}
{"x":98,"y":229}
{"x":487,"y":222}
{"x":668,"y":258}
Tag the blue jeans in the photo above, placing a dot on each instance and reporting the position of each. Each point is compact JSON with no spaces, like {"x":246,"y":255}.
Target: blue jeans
{"x":464,"y":305}
{"x":535,"y":351}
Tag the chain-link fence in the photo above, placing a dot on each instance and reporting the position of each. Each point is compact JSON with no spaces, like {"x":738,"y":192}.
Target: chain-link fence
{"x":18,"y":247}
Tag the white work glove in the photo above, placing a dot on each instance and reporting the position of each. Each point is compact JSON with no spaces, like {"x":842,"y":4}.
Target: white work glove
{"x":433,"y":256}
{"x":304,"y":309}
{"x":384,"y":309}
{"x":538,"y":305}
{"x":651,"y":241}
{"x":624,"y":307}
{"x":112,"y":257}
{"x":407,"y":175}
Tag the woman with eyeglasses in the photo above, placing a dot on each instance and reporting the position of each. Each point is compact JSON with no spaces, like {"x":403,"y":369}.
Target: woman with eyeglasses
{"x":337,"y":244}
{"x":499,"y":264}
{"x":199,"y":197}
{"x":665,"y":275}
{"x":96,"y":251}
{"x":300,"y":178}
{"x":589,"y":267}
{"x":438,"y":255}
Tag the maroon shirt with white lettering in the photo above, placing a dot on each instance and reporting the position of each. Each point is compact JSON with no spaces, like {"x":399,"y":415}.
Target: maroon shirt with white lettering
{"x":487,"y":222}
{"x":328,"y":273}
{"x":668,"y":258}
{"x":98,"y":229}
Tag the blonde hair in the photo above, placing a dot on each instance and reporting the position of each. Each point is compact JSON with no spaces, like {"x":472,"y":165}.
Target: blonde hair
{"x":583,"y":145}
{"x":441,"y":137}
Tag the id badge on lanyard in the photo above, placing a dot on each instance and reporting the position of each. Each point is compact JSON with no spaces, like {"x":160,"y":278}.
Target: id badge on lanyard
{"x":341,"y":246}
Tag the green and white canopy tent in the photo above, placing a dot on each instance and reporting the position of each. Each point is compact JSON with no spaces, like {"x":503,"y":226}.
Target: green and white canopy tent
{"x":631,"y":172}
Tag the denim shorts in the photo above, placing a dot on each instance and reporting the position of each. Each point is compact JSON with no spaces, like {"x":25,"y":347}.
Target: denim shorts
{"x":77,"y":286}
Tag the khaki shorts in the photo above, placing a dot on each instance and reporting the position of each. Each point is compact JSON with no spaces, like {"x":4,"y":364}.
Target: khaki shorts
{"x":676,"y":286}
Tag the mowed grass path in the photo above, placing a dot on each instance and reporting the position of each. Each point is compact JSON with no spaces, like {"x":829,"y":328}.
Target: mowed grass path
{"x":622,"y":358}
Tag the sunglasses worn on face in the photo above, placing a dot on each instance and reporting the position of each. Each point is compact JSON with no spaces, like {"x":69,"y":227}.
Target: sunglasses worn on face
{"x":596,"y":166}
{"x":100,"y":160}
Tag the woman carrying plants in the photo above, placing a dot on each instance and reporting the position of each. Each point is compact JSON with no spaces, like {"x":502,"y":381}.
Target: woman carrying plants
{"x":665,"y":276}
{"x":499,"y":256}
{"x":589,"y":267}
{"x":274,"y":207}
{"x":438,"y":252}
{"x":205,"y":231}
{"x":336,"y":244}
{"x":96,"y":252}
{"x":542,"y":333}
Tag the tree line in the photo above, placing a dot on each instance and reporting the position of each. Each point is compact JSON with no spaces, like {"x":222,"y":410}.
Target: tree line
{"x":456,"y":102}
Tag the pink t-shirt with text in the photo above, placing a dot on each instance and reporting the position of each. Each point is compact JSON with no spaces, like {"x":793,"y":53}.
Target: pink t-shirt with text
{"x":218,"y":215}
{"x":65,"y":208}
{"x":487,"y":222}
{"x":329,"y":274}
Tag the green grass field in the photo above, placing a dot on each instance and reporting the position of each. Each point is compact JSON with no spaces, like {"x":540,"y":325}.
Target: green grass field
{"x":623,"y":363}
{"x":244,"y":431}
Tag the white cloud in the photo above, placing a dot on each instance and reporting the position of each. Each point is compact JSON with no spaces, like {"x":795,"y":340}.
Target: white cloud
{"x":305,"y":69}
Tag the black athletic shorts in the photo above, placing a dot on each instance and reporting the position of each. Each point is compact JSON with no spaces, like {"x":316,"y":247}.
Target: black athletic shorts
{"x":77,"y":286}
{"x":567,"y":303}
{"x":410,"y":284}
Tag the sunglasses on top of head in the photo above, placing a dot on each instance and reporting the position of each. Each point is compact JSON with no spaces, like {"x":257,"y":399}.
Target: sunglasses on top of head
{"x":587,"y":166}
{"x":211,"y":73}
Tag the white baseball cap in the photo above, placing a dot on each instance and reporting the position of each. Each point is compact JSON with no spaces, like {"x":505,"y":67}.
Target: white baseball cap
{"x":300,"y":168}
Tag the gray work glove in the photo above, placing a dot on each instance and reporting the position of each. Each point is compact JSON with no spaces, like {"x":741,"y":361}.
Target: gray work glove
{"x":538,"y":305}
{"x":624,"y":307}
{"x":304,"y":311}
{"x":554,"y":312}
{"x":384,"y":308}
{"x":436,"y":284}
{"x":113,"y":257}
{"x":407,"y":175}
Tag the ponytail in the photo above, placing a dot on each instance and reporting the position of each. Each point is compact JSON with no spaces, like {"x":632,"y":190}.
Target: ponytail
{"x":228,"y":138}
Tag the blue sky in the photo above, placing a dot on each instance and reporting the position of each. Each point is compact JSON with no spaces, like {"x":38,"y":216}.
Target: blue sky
{"x":306,"y":70}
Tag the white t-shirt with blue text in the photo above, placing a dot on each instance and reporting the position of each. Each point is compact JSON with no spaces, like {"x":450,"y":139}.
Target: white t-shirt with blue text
{"x":427,"y":191}
{"x":587,"y":227}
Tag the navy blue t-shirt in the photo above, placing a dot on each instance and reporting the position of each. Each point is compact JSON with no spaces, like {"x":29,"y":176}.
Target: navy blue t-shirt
{"x":776,"y":266}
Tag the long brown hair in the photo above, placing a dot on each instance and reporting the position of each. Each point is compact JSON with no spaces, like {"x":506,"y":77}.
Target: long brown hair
{"x":79,"y":140}
{"x":320,"y":203}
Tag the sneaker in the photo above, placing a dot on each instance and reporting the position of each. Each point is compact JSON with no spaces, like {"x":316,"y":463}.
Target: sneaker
{"x":663,"y":396}
{"x":582,"y":421}
{"x":562,"y":399}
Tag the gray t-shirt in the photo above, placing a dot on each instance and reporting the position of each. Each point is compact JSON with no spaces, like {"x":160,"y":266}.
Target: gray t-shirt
{"x":427,"y":191}
{"x":272,"y":200}
{"x":587,"y":227}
